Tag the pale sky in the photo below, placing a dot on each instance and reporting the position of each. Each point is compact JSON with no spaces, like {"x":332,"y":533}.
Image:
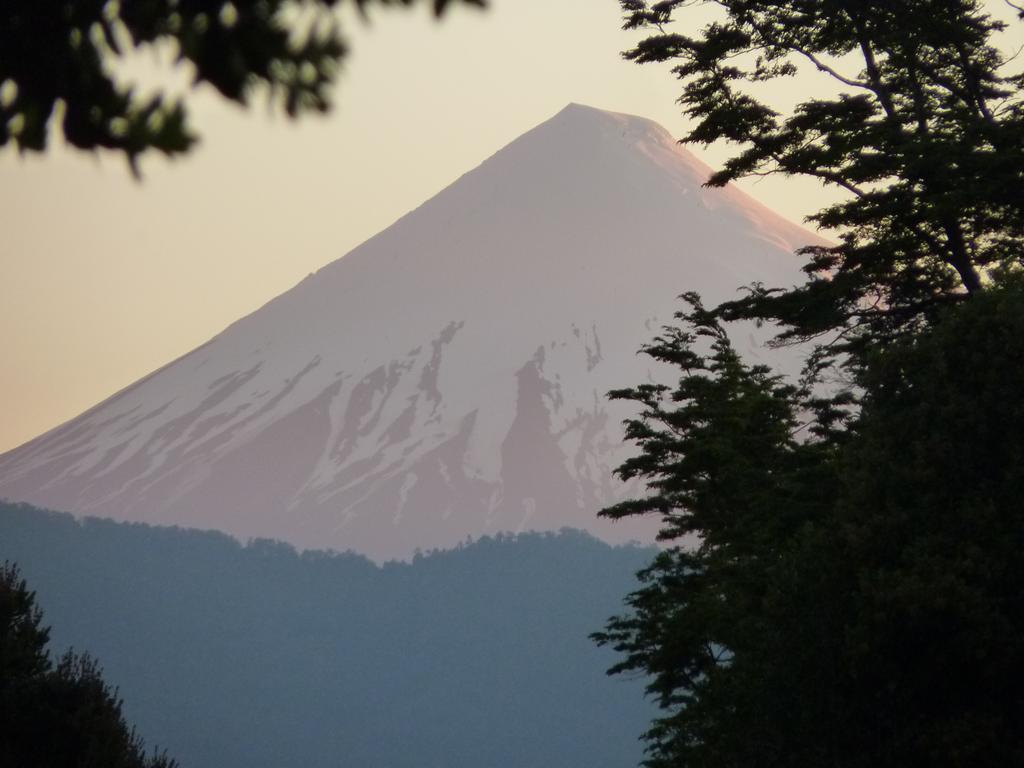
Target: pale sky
{"x":104,"y":279}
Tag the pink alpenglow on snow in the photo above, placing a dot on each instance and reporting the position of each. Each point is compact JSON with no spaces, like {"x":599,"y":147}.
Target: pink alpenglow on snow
{"x":447,"y":378}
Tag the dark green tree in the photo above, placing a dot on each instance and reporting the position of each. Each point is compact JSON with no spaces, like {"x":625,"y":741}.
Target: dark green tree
{"x":927,"y":538}
{"x":841,"y":574}
{"x":850,"y":600}
{"x":737,"y":490}
{"x":60,"y":53}
{"x":59,"y":715}
{"x":925,"y":133}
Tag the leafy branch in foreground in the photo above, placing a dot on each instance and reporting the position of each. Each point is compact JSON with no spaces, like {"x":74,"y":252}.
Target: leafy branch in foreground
{"x":841,"y":580}
{"x":925,"y":135}
{"x":61,"y":53}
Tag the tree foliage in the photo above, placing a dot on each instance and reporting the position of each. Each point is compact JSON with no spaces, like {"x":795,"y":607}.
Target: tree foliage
{"x":925,"y":133}
{"x":840,"y":583}
{"x":849,"y":600}
{"x":61,"y":52}
{"x":56,"y":715}
{"x":736,"y":490}
{"x":931,"y":518}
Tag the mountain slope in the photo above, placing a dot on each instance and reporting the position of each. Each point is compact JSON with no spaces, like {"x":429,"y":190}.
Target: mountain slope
{"x":446,"y":378}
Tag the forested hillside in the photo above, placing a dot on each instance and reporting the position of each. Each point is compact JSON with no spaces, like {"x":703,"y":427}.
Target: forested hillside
{"x":230,"y":655}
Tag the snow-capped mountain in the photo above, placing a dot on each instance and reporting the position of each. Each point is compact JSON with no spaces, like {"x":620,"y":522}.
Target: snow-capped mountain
{"x":445,"y":379}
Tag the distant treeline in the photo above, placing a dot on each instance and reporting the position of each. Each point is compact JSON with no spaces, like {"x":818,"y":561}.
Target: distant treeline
{"x":233,"y":656}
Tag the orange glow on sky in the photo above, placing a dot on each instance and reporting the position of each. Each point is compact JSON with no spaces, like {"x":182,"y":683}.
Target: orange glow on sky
{"x":104,"y":279}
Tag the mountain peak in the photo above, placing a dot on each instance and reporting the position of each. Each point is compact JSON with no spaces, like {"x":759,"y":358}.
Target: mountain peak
{"x":445,"y":379}
{"x":586,"y":113}
{"x":585,"y":120}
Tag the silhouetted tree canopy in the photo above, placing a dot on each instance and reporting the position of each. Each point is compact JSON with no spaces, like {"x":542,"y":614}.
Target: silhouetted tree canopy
{"x":736,"y":490}
{"x":61,"y":53}
{"x":850,"y":600}
{"x":925,"y":132}
{"x":841,"y":579}
{"x":56,"y":715}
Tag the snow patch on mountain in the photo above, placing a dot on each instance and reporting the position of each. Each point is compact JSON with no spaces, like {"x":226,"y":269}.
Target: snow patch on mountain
{"x":445,"y":379}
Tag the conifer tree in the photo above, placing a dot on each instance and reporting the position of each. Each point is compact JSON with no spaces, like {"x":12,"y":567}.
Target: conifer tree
{"x":59,"y":715}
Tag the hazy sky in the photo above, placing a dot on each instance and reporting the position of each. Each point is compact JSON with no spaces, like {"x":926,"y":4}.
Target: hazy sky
{"x":103,"y":279}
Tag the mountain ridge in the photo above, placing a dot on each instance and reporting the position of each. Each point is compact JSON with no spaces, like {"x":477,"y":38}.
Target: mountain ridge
{"x":444,"y":379}
{"x":259,"y":656}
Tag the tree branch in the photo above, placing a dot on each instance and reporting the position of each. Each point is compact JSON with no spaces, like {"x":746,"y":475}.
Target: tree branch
{"x":823,"y":67}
